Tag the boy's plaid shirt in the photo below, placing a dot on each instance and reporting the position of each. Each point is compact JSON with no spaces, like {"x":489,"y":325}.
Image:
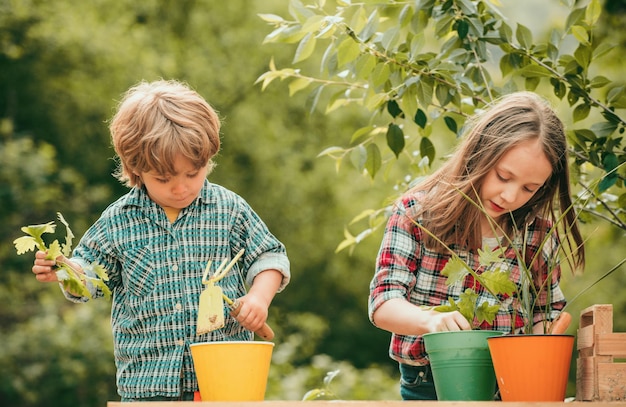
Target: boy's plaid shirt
{"x":406,"y":269}
{"x":155,"y":270}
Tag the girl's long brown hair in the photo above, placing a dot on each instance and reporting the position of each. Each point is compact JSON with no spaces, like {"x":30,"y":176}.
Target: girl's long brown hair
{"x":446,"y":210}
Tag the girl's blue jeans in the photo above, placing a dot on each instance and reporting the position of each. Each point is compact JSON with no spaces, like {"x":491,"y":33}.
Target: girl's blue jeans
{"x":416,"y":383}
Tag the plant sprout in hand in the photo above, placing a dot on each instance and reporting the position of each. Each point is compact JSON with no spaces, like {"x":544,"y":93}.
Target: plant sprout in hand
{"x":74,"y":281}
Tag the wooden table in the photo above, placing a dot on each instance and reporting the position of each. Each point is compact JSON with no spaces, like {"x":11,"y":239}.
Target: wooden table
{"x":382,"y":403}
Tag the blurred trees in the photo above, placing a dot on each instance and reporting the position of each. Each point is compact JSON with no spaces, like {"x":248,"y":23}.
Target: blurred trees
{"x":63,"y":66}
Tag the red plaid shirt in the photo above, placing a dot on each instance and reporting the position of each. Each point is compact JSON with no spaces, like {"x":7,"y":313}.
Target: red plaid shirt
{"x":406,"y":269}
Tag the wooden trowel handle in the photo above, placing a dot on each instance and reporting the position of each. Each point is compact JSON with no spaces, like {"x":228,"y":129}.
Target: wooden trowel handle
{"x":265,"y":332}
{"x":562,"y":322}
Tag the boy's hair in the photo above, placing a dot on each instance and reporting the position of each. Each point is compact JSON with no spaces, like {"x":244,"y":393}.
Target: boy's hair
{"x":157,"y":121}
{"x":509,"y":121}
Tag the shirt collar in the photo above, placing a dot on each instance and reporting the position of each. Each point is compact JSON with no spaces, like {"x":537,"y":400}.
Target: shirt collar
{"x":138,"y":196}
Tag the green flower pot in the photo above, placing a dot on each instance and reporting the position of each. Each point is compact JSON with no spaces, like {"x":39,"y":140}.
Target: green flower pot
{"x":461,"y":364}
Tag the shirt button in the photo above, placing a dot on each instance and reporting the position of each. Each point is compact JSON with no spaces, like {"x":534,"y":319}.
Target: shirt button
{"x":180,"y":342}
{"x":178,"y":306}
{"x":175,"y":267}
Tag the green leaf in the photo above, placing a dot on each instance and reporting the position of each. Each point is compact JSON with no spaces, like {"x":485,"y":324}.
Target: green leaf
{"x":380,"y":75}
{"x":524,"y":36}
{"x":602,"y":49}
{"x":486,"y":312}
{"x":37,"y":231}
{"x":420,"y":118}
{"x":580,"y":33}
{"x":305,"y":48}
{"x":497,"y":281}
{"x":443,"y":94}
{"x":607,"y":182}
{"x":603,"y":129}
{"x":534,"y":71}
{"x":390,"y":38}
{"x":592,"y":13}
{"x":395,"y":139}
{"x":462,"y":27}
{"x":25,"y":244}
{"x":271,"y":18}
{"x":559,"y":88}
{"x":358,"y":157}
{"x":581,"y":111}
{"x":69,"y":236}
{"x":374,"y":160}
{"x":447,"y":307}
{"x":599,"y":81}
{"x":583,"y":55}
{"x":393,"y":108}
{"x":331,"y":151}
{"x":347,"y":51}
{"x":467,"y":304}
{"x":488,"y":256}
{"x":371,"y":27}
{"x":451,"y":124}
{"x":427,"y":149}
{"x":298,"y":84}
{"x":425,"y":91}
{"x":313,"y":24}
{"x":444,"y":26}
{"x":360,"y":135}
{"x":318,"y":394}
{"x":609,"y":163}
{"x":455,"y":269}
{"x":54,"y":250}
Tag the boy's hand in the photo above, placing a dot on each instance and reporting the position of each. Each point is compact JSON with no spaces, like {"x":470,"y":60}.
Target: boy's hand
{"x":45,"y":269}
{"x":252,"y":312}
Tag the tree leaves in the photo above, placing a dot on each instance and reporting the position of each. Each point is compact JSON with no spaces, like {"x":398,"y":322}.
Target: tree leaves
{"x":380,"y":49}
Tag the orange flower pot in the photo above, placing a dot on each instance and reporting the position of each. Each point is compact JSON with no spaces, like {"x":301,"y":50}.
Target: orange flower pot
{"x":532,"y":367}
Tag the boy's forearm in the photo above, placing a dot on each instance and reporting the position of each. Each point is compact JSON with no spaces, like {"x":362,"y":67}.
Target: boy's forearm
{"x":266,"y":284}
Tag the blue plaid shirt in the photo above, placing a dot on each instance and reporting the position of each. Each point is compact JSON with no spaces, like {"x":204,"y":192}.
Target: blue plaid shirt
{"x":406,"y":269}
{"x":155,"y":269}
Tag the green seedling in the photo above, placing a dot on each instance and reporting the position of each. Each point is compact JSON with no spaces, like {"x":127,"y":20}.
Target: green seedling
{"x":72,"y":280}
{"x":323,"y":393}
{"x":495,"y":281}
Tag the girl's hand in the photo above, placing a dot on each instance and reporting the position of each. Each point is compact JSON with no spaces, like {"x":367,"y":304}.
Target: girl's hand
{"x":399,"y":316}
{"x":447,"y":321}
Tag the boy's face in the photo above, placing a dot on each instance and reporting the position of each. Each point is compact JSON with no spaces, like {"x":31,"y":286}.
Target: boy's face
{"x":178,"y":190}
{"x":515,"y":178}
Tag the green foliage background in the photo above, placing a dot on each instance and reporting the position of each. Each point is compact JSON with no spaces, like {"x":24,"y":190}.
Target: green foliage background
{"x":63,"y":65}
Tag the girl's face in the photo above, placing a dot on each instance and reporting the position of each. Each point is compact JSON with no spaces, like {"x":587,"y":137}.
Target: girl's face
{"x":178,"y":190}
{"x":514,"y":179}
